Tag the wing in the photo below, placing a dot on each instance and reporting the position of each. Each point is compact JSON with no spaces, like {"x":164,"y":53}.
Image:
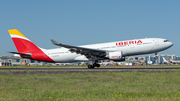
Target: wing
{"x":88,"y":52}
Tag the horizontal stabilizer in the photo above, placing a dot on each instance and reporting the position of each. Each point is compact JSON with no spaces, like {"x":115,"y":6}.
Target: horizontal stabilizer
{"x":23,"y":55}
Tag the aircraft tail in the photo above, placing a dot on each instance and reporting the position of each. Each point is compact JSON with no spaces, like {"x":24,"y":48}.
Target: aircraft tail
{"x":22,"y":43}
{"x":169,"y":58}
{"x":26,"y":48}
{"x":164,"y":59}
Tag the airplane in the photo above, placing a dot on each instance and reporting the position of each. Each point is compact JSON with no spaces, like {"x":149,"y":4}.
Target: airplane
{"x":165,"y":61}
{"x":173,"y":61}
{"x":116,"y":51}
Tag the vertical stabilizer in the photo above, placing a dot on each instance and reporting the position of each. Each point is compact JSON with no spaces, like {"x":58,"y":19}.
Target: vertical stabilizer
{"x":25,"y":46}
{"x":169,"y":58}
{"x":22,"y":43}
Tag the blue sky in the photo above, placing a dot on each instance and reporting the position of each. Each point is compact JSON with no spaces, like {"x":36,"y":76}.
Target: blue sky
{"x":81,"y":22}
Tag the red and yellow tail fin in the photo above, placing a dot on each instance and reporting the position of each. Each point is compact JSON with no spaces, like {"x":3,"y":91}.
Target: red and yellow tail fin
{"x":25,"y":46}
{"x":21,"y":42}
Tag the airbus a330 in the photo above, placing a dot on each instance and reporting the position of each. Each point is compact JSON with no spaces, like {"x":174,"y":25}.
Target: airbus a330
{"x":116,"y":51}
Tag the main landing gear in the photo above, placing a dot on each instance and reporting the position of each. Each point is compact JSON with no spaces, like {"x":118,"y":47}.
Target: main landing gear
{"x":94,"y":65}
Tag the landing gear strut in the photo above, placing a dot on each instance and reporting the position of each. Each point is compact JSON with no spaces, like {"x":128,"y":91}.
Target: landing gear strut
{"x":94,"y":65}
{"x":156,"y":57}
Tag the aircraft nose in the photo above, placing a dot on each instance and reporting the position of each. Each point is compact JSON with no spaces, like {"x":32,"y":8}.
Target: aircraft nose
{"x":171,"y":44}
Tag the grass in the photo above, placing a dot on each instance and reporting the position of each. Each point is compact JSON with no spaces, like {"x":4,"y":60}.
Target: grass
{"x":76,"y":66}
{"x":90,"y":85}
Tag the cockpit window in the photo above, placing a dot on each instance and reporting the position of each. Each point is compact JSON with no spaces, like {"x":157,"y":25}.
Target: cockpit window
{"x":166,"y":40}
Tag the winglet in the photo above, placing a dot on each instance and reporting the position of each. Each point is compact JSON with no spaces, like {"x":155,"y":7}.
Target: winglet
{"x":54,"y":42}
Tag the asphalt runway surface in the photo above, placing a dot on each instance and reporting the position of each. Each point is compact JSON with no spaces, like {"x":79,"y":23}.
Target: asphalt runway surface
{"x":86,"y":69}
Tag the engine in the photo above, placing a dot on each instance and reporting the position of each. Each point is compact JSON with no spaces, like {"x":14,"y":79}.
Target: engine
{"x":116,"y":56}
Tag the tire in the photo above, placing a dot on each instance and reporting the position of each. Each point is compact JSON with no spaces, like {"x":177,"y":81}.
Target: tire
{"x":90,"y":67}
{"x":98,"y":65}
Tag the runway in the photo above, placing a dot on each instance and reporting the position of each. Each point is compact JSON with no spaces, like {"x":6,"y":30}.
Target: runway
{"x":86,"y":69}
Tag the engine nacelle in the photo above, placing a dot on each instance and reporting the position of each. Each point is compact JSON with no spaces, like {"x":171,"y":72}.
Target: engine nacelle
{"x":116,"y":56}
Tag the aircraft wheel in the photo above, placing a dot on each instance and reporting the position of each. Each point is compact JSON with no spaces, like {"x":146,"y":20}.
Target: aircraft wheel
{"x":98,"y":65}
{"x":90,"y":67}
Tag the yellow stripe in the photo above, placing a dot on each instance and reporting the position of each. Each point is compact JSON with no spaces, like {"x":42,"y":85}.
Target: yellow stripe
{"x":15,"y":32}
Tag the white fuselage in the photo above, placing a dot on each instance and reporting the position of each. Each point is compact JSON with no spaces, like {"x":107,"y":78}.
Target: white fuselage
{"x":128,"y":48}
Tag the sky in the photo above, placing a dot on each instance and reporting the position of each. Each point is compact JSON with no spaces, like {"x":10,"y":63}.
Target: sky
{"x":82,"y":22}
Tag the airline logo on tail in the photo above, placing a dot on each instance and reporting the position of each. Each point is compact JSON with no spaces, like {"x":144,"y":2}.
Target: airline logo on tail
{"x":169,"y":58}
{"x":164,"y":60}
{"x":26,"y":48}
